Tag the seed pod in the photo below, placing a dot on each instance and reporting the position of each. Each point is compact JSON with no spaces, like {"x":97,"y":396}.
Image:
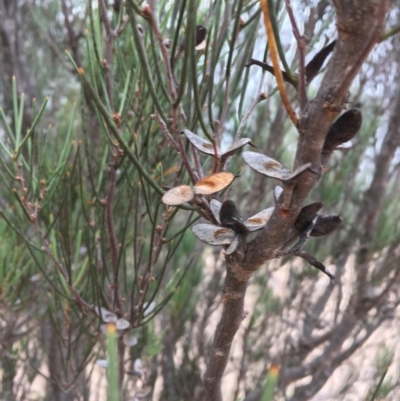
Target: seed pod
{"x":231,"y":218}
{"x":313,"y":67}
{"x":178,"y":195}
{"x":343,"y":129}
{"x":213,"y":183}
{"x":272,"y":168}
{"x":201,"y":33}
{"x":306,"y":216}
{"x":213,"y":235}
{"x":325,"y":225}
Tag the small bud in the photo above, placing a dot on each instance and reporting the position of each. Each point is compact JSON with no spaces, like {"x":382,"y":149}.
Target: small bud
{"x":117,"y":119}
{"x":146,"y":11}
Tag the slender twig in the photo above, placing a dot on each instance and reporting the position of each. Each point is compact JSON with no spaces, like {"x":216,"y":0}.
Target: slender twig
{"x":111,"y":231}
{"x":275,"y":62}
{"x":163,"y":126}
{"x":216,"y":156}
{"x":390,"y":32}
{"x":143,"y":57}
{"x":224,"y":111}
{"x":176,"y":33}
{"x":301,"y":47}
{"x":197,"y":163}
{"x":72,"y":38}
{"x":164,"y":52}
{"x":109,"y":48}
{"x":243,"y":121}
{"x":228,"y":73}
{"x":219,"y":36}
{"x":178,"y":146}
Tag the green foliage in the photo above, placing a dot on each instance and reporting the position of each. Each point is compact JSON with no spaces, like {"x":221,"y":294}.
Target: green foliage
{"x":112,"y":368}
{"x":270,"y":384}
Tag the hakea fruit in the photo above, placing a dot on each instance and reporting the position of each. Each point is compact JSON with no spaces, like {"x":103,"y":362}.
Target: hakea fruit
{"x":232,"y":227}
{"x":343,"y":130}
{"x":272,"y":168}
{"x":208,"y":148}
{"x":201,"y":33}
{"x":231,"y":218}
{"x":206,"y":186}
{"x":323,"y":225}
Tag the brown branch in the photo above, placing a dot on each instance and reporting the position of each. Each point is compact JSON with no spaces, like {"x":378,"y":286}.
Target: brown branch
{"x":163,"y":126}
{"x":197,"y":163}
{"x":373,"y":40}
{"x":232,"y":315}
{"x":177,"y":145}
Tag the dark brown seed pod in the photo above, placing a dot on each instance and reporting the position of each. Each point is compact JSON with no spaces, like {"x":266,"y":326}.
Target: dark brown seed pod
{"x":325,"y":225}
{"x":316,"y":63}
{"x":231,"y":218}
{"x":201,"y":33}
{"x":306,"y":215}
{"x":343,"y":129}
